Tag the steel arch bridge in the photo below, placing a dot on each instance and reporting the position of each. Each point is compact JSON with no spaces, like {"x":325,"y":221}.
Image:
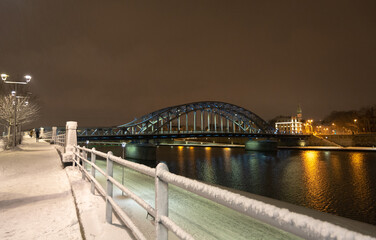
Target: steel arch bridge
{"x":202,"y":118}
{"x":199,"y":117}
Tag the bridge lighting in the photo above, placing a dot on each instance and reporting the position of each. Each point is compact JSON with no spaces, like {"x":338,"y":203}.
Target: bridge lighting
{"x":123,"y":144}
{"x":87,"y":142}
{"x":13,"y":93}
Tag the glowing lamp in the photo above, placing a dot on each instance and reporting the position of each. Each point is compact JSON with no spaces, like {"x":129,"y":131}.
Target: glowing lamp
{"x":28,"y":78}
{"x":4,"y":76}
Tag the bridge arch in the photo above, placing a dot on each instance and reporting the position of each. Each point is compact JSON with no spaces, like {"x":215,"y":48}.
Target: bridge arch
{"x":208,"y":116}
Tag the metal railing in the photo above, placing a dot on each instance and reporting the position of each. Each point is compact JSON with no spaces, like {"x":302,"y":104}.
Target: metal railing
{"x":297,"y":224}
{"x":46,"y":135}
{"x":60,"y":140}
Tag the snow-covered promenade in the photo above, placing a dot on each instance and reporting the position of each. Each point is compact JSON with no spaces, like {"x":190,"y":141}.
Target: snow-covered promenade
{"x":37,"y":201}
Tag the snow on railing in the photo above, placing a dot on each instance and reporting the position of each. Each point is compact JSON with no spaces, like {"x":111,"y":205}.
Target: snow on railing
{"x":298,"y":224}
{"x":60,"y":140}
{"x":47,"y":135}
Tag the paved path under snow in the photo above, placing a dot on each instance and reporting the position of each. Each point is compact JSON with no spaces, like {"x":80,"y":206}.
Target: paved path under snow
{"x":36,"y":198}
{"x":35,"y":195}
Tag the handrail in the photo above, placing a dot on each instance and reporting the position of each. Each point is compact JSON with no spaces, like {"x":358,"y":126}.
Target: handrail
{"x":297,"y":224}
{"x":135,"y":166}
{"x":60,"y":140}
{"x":136,"y":198}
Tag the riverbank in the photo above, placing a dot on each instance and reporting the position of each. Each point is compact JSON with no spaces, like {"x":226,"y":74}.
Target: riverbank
{"x":330,"y":148}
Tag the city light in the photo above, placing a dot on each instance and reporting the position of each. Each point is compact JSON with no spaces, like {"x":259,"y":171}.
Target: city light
{"x":4,"y":76}
{"x":28,"y":78}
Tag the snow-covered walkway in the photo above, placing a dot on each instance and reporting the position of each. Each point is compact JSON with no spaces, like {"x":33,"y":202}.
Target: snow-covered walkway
{"x":36,"y":200}
{"x":35,"y":195}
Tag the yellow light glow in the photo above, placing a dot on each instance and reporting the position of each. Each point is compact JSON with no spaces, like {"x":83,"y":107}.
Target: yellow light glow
{"x":314,"y":176}
{"x":360,"y":179}
{"x":180,"y":147}
{"x":4,"y":76}
{"x":207,"y":148}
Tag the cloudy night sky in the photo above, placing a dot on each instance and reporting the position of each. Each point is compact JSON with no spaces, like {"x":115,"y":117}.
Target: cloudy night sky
{"x":103,"y":63}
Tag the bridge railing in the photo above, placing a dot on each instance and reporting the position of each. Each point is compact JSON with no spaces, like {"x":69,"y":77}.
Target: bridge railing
{"x":60,"y":140}
{"x":47,"y":135}
{"x":297,"y":224}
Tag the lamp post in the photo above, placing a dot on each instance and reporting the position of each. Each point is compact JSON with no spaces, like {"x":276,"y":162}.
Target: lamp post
{"x":4,"y":77}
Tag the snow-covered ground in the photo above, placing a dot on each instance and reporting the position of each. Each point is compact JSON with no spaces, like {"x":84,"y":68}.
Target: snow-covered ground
{"x":35,"y":195}
{"x":92,"y":211}
{"x":36,"y":200}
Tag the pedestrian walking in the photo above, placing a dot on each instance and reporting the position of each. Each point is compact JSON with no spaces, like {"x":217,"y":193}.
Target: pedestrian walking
{"x":37,"y":134}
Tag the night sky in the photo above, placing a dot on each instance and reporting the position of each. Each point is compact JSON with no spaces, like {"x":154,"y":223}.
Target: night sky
{"x":103,"y":63}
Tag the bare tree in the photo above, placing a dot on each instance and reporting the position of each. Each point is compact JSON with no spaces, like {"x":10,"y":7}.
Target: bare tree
{"x":27,"y":111}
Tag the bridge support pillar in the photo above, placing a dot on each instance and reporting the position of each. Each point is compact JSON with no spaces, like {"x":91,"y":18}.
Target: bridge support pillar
{"x":261,"y":145}
{"x":70,"y":141}
{"x":141,"y":151}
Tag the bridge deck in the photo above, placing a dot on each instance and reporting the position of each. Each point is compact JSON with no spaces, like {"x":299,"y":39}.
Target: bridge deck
{"x":112,"y":137}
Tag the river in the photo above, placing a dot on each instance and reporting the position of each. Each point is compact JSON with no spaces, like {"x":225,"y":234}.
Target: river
{"x":341,"y":183}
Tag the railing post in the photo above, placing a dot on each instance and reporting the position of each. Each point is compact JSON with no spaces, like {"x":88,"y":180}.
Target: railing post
{"x":109,"y":188}
{"x":54,"y":131}
{"x":84,"y":155}
{"x":93,"y":158}
{"x":76,"y":151}
{"x":161,"y":202}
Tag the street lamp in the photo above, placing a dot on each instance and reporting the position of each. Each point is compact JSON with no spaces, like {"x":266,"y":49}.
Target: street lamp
{"x":4,"y":77}
{"x":356,"y":126}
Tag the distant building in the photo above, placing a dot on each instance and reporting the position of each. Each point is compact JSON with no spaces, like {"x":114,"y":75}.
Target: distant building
{"x":290,"y":124}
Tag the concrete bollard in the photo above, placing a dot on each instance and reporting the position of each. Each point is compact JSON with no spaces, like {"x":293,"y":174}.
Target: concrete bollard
{"x":41,"y":133}
{"x":70,"y":141}
{"x":54,"y":134}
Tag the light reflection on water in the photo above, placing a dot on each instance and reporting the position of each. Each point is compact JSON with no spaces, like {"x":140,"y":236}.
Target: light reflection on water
{"x":336,"y":182}
{"x":315,"y":179}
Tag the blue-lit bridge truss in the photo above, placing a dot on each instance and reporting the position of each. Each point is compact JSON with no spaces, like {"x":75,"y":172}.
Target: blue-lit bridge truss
{"x":188,"y":120}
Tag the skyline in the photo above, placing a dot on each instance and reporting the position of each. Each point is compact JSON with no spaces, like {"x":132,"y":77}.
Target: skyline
{"x":106,"y":64}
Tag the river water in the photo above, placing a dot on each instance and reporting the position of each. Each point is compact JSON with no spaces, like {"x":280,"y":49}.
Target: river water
{"x":341,"y":183}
